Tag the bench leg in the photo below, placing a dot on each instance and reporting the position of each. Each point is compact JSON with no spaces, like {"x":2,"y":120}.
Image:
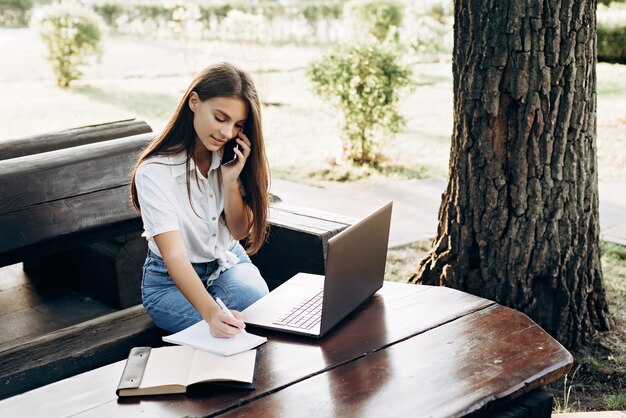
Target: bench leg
{"x":534,"y":404}
{"x":109,"y":270}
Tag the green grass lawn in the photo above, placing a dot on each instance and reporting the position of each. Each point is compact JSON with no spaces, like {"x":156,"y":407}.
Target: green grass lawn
{"x":146,"y":80}
{"x":597,"y":380}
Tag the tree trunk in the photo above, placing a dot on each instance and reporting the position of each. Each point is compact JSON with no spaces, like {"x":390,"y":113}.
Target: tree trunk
{"x":519,"y":221}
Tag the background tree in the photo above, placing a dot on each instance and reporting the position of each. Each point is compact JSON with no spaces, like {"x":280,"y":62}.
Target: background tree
{"x":519,"y":219}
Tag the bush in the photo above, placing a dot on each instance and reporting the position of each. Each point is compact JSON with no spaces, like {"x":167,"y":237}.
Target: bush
{"x":430,"y":29}
{"x":612,"y":33}
{"x":72,"y":34}
{"x":612,"y":44}
{"x":110,"y":12}
{"x":15,"y":12}
{"x":381,"y":18}
{"x":363,"y":83}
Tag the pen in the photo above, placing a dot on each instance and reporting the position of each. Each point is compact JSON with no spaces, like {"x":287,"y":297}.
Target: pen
{"x":225,"y":309}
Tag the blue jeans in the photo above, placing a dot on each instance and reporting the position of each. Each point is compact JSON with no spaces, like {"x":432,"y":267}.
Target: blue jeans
{"x":238,"y":287}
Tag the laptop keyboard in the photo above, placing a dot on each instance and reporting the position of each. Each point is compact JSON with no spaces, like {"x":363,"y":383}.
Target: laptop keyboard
{"x":305,"y":315}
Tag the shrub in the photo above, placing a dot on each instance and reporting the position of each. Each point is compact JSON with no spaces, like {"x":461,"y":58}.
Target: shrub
{"x":381,"y":18}
{"x":15,"y":12}
{"x":612,"y":33}
{"x":72,"y":34}
{"x":110,"y":12}
{"x":612,"y":44}
{"x":430,"y":29}
{"x":363,"y":83}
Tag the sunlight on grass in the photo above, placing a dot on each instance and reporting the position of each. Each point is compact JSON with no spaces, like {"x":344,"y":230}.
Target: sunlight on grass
{"x":614,"y":272}
{"x":611,"y":120}
{"x":601,"y":366}
{"x":611,"y":79}
{"x":303,"y":132}
{"x":402,"y":261}
{"x":615,"y":402}
{"x":562,"y":404}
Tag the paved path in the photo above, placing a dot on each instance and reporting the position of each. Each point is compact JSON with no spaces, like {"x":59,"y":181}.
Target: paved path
{"x":416,"y":204}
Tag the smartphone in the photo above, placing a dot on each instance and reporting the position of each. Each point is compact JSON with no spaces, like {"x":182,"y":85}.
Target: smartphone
{"x":228,"y":153}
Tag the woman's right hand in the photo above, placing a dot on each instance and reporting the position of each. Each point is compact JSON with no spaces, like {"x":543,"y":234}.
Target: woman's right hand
{"x":222,"y":325}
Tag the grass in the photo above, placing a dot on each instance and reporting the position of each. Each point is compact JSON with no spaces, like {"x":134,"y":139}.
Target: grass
{"x":302,"y":131}
{"x":563,"y":405}
{"x":599,"y":381}
{"x":402,"y":261}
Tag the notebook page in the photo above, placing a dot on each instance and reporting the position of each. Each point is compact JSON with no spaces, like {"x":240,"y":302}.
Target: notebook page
{"x":209,"y":366}
{"x":167,"y":366}
{"x":198,"y":336}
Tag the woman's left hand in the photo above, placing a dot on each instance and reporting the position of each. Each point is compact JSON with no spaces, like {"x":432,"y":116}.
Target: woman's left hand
{"x":230,"y":172}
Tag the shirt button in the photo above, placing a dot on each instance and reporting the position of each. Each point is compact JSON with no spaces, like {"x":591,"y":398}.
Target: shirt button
{"x":211,"y":196}
{"x":214,"y":235}
{"x":214,"y":218}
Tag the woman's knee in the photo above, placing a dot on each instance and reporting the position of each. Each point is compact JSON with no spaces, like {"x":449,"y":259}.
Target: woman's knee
{"x":240,"y":286}
{"x":173,"y":321}
{"x":170,"y":310}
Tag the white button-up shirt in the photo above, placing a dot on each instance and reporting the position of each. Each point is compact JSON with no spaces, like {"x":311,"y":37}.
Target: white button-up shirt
{"x":165,"y":206}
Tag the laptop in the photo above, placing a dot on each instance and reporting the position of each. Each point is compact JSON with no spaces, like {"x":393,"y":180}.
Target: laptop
{"x":312,"y":304}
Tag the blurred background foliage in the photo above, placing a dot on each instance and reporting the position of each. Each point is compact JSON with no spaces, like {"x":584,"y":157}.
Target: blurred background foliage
{"x":150,"y":46}
{"x":424,"y":26}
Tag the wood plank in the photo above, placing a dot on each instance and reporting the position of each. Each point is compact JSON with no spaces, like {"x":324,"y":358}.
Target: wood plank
{"x":67,"y":172}
{"x":297,"y":242}
{"x":12,"y":276}
{"x":13,"y":148}
{"x":24,"y":323}
{"x":109,"y":210}
{"x":455,"y":369}
{"x":307,"y":219}
{"x":74,"y":350}
{"x":16,"y":299}
{"x":396,"y":312}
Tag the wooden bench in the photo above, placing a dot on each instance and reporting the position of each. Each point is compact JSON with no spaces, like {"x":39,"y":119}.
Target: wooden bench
{"x":65,"y":211}
{"x":410,"y":351}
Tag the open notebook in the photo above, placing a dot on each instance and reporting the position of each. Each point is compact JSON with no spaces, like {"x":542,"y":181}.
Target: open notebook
{"x":176,"y":369}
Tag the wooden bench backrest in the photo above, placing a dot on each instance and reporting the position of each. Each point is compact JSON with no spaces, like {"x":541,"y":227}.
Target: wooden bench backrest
{"x":21,"y":147}
{"x":56,"y":198}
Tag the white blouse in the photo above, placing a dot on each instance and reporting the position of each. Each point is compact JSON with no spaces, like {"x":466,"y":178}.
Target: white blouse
{"x":162,"y":193}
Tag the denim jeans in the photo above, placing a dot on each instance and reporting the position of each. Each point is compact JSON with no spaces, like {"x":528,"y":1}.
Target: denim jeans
{"x":238,"y":287}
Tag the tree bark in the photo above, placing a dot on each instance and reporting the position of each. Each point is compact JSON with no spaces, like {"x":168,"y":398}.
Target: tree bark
{"x":519,"y":220}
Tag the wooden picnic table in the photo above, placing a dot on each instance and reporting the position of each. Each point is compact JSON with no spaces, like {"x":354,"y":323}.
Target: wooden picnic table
{"x":409,"y":351}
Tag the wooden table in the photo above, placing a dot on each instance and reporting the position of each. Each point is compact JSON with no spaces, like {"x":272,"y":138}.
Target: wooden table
{"x":409,"y":351}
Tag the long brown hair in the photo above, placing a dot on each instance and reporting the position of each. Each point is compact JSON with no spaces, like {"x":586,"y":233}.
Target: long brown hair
{"x":220,"y":80}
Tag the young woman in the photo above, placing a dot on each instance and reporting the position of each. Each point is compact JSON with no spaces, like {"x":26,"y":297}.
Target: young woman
{"x":195,"y":209}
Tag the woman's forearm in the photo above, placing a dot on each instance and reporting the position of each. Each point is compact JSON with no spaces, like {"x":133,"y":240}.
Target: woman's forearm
{"x":191,"y":286}
{"x":237,"y":213}
{"x":179,"y":267}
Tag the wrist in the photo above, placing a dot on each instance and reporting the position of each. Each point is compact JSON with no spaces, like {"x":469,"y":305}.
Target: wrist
{"x":231,"y":186}
{"x":210,"y":312}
